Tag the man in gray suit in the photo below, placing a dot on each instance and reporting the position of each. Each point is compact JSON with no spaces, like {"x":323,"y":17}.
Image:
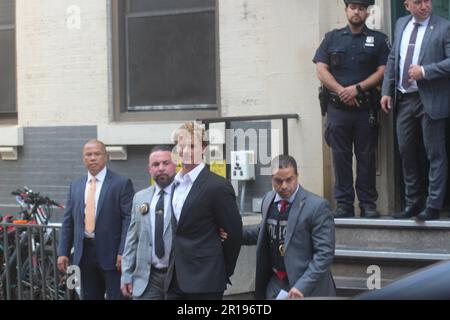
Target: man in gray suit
{"x":417,"y":81}
{"x":295,"y":240}
{"x":148,"y":243}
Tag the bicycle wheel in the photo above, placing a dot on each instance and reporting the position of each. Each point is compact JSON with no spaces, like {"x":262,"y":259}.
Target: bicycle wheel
{"x":2,"y":292}
{"x":12,"y":268}
{"x":46,"y":285}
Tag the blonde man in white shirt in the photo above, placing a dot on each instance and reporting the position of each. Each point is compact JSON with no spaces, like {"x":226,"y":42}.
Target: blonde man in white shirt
{"x":203,"y":203}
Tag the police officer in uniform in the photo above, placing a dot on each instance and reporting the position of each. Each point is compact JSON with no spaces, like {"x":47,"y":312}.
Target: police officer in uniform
{"x":350,"y":64}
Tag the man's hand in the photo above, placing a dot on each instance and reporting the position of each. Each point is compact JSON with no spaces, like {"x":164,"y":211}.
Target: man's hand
{"x":127,"y":289}
{"x":415,"y":73}
{"x":386,"y":104}
{"x":294,"y":293}
{"x":119,"y":263}
{"x":63,"y":263}
{"x":223,"y":235}
{"x":348,"y":95}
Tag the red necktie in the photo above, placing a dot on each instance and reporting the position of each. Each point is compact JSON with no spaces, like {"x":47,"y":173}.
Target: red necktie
{"x":283,"y":206}
{"x":282,"y":274}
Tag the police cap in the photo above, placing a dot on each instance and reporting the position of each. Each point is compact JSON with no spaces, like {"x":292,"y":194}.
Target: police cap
{"x":365,"y":3}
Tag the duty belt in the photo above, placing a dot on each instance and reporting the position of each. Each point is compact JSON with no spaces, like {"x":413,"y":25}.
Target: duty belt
{"x":363,"y":99}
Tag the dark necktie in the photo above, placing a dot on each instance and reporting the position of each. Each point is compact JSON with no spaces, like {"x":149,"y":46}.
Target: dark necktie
{"x":159,"y":226}
{"x":409,"y":56}
{"x":283,"y":206}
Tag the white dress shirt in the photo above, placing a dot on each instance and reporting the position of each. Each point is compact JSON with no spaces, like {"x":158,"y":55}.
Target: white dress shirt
{"x":185,"y":183}
{"x":404,"y":49}
{"x":100,"y":177}
{"x":164,"y":261}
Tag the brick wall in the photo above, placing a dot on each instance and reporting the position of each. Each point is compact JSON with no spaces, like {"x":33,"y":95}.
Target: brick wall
{"x":49,"y":160}
{"x":62,"y":62}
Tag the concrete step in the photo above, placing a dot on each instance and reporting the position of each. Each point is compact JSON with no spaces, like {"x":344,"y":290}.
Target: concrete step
{"x":397,"y":247}
{"x":389,"y":234}
{"x":393,"y":265}
{"x":350,"y":286}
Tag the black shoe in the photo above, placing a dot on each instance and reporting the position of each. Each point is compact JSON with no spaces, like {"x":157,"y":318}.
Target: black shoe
{"x":409,"y":212}
{"x":370,"y":213}
{"x":428,"y":214}
{"x":341,"y":213}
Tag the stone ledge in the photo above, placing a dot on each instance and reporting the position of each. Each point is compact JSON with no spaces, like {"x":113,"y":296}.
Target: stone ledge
{"x":391,"y":255}
{"x":136,"y":133}
{"x":391,"y":223}
{"x":11,"y":136}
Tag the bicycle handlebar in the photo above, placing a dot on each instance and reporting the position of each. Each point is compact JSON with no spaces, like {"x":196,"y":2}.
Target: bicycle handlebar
{"x":34,"y":198}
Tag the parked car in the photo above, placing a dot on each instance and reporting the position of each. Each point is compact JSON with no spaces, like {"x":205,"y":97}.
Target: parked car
{"x":430,"y":283}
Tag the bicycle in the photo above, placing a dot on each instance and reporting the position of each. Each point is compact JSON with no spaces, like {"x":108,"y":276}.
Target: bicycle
{"x":4,"y":252}
{"x":30,"y":261}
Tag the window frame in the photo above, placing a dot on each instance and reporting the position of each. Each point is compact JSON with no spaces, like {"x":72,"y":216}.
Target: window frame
{"x":121,"y":83}
{"x":11,"y":116}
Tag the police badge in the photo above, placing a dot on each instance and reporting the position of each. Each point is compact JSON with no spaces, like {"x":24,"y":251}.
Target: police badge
{"x":144,"y":208}
{"x":370,"y":41}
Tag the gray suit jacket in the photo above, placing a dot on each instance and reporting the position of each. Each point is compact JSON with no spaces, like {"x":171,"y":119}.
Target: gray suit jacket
{"x":309,"y":246}
{"x":137,"y":255}
{"x":434,"y":57}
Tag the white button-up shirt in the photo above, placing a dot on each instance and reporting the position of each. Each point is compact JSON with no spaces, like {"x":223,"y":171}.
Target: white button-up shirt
{"x":185,"y":183}
{"x":404,"y":49}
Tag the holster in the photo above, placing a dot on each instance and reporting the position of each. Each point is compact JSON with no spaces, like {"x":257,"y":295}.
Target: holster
{"x":324,"y":99}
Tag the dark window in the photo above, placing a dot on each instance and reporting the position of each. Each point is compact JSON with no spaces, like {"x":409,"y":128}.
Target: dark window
{"x":168,"y":55}
{"x":7,"y":58}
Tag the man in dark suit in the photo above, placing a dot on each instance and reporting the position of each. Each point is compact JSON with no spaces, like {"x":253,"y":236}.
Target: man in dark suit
{"x":417,"y":80}
{"x":96,"y":220}
{"x":200,"y":263}
{"x":295,"y":240}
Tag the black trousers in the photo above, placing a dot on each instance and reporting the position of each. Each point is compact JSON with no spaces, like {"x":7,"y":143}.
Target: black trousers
{"x":175,"y":293}
{"x":349,"y":132}
{"x":95,"y":281}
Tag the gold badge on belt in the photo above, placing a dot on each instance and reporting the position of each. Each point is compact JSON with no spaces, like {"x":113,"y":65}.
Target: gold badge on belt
{"x":281,"y":249}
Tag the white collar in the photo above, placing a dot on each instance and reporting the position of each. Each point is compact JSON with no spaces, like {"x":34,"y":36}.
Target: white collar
{"x":423,"y":23}
{"x":291,"y":198}
{"x":191,"y":175}
{"x":99,"y":177}
{"x":167,"y":189}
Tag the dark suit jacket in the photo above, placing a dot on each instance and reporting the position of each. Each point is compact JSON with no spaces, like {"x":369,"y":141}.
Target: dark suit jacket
{"x":203,"y":263}
{"x":434,"y":57}
{"x":111,"y":224}
{"x":309,"y":246}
